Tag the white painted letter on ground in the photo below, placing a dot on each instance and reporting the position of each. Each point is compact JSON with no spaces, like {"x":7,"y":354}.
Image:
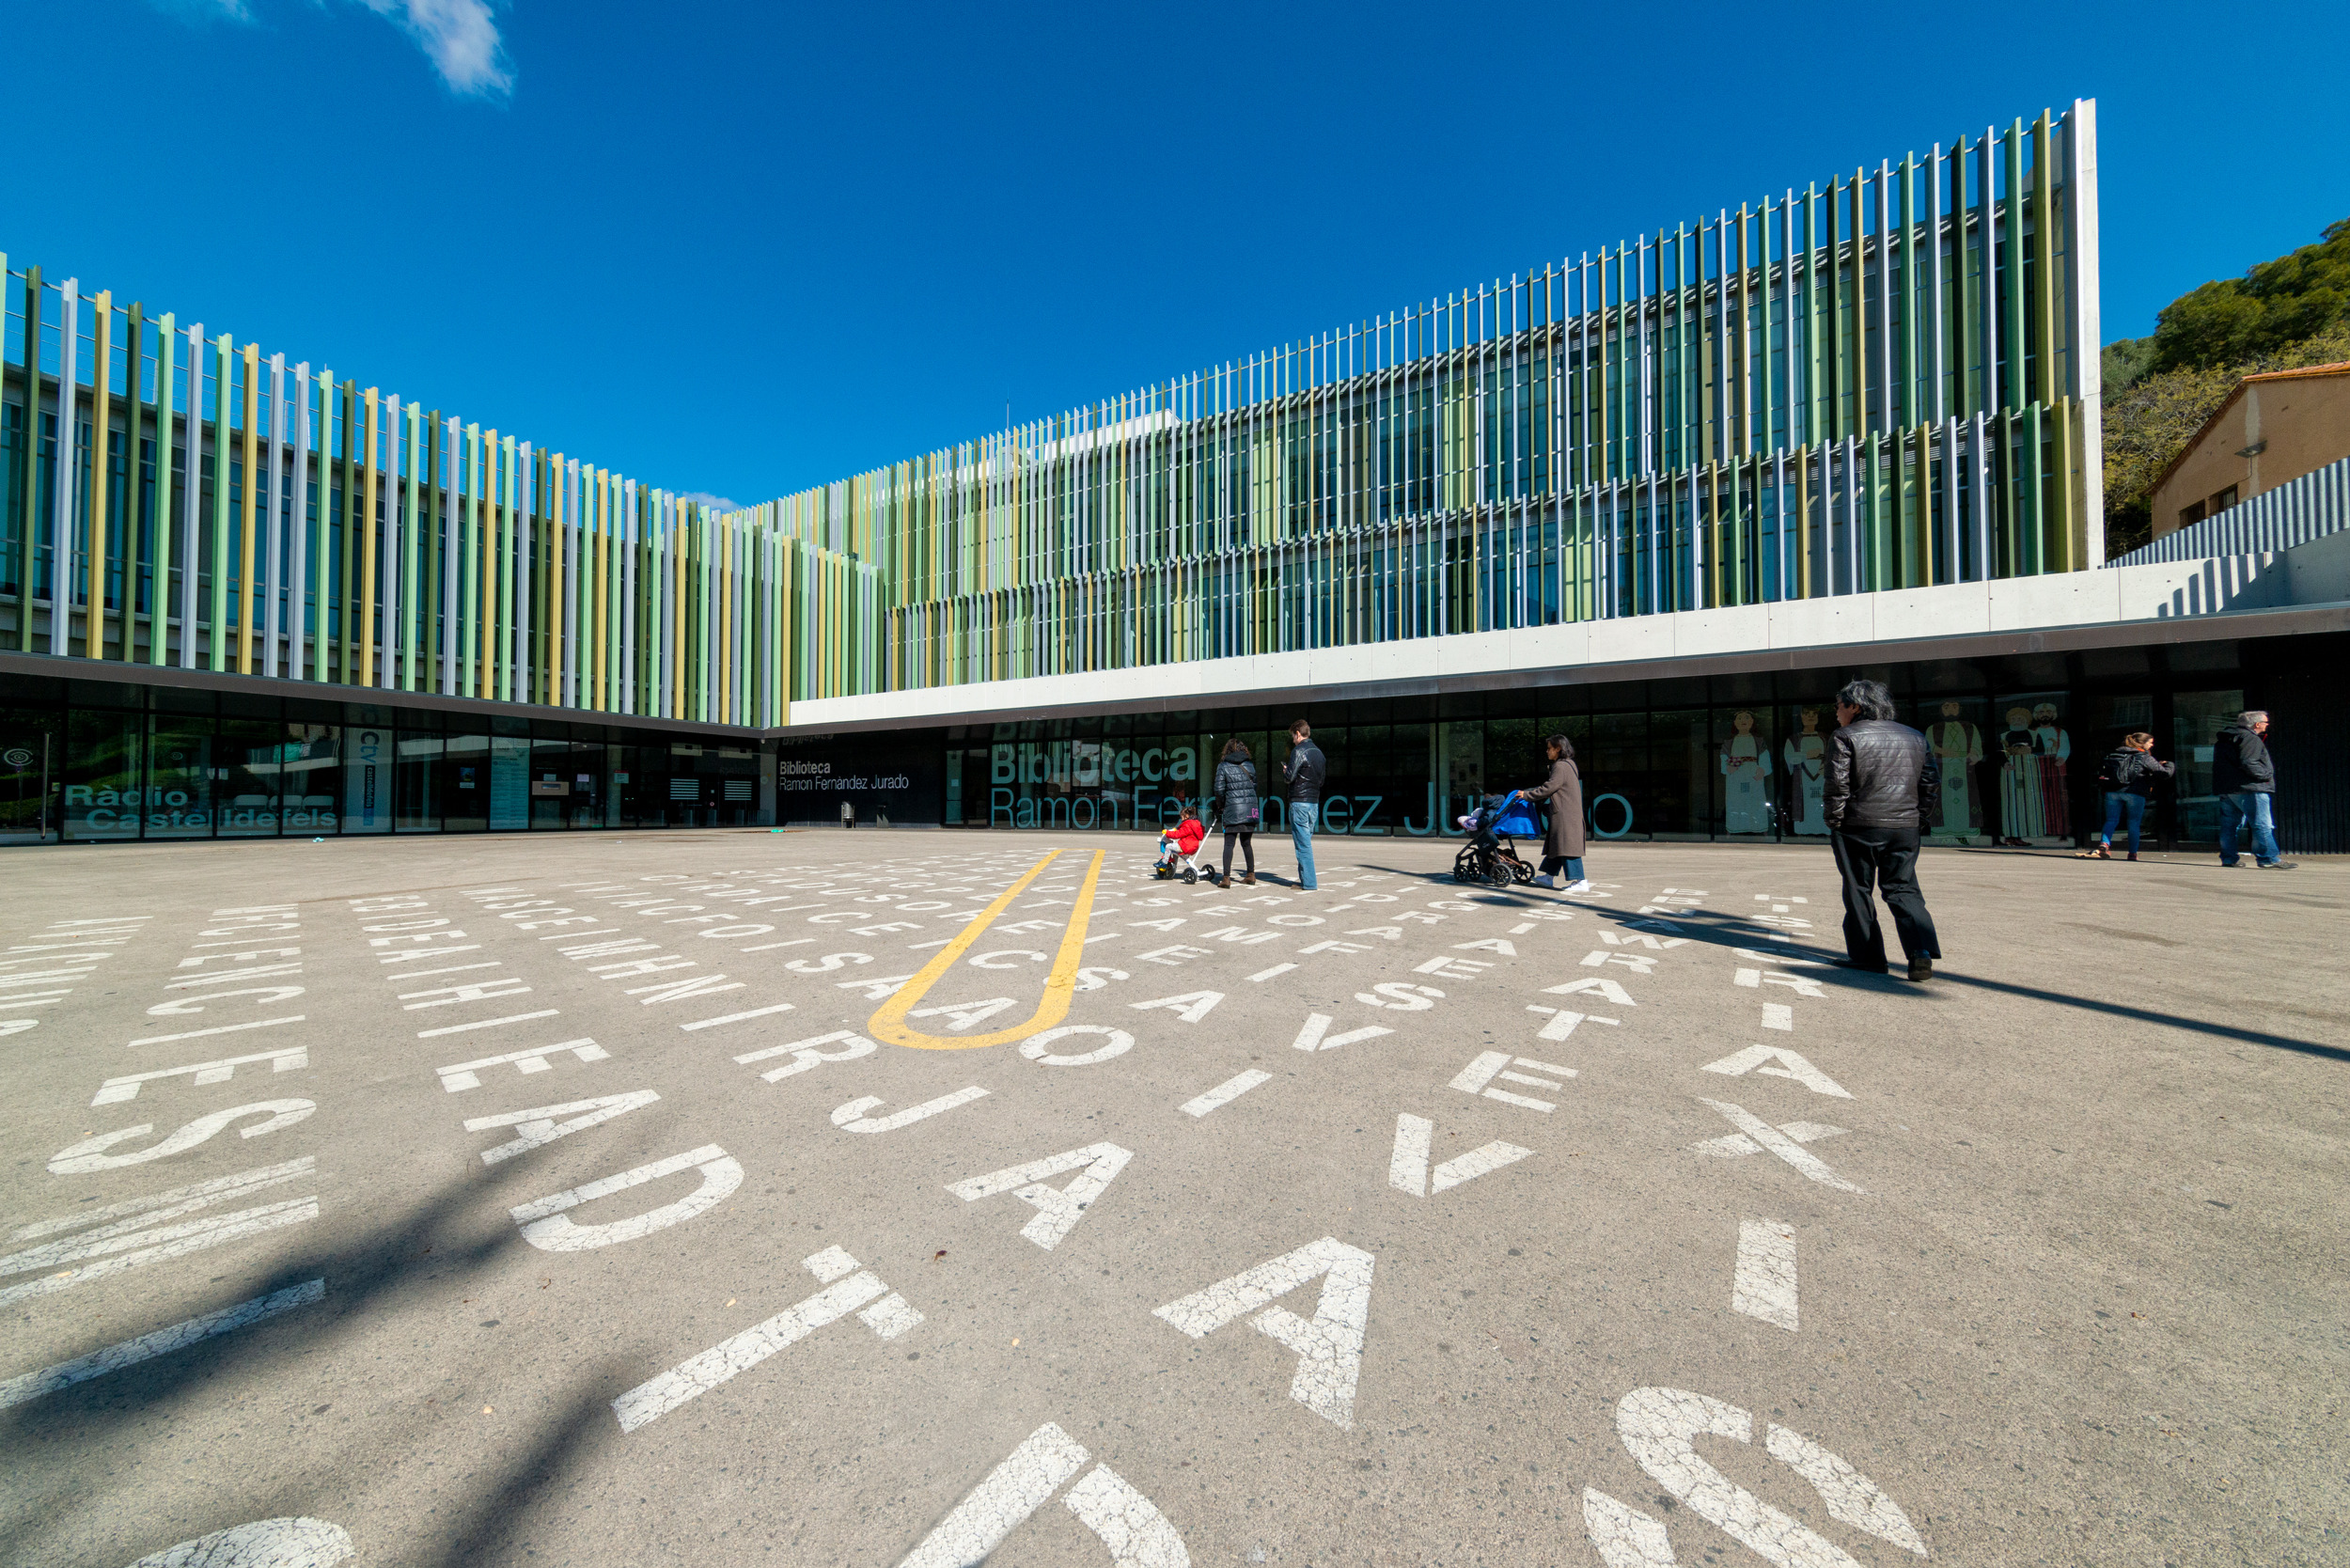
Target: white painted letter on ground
{"x":1765,"y":1285}
{"x":1058,"y":1209}
{"x":848,"y":1289}
{"x":1776,"y":1061}
{"x":1329,"y":1346}
{"x":1128,"y":1524}
{"x":1407,"y":1168}
{"x":547,"y":1226}
{"x":855,"y":1116}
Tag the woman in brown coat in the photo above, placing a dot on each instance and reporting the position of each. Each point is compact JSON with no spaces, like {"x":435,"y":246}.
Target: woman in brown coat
{"x":1562,"y":848}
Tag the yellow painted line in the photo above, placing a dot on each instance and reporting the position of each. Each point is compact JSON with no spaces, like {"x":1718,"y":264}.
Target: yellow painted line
{"x":1060,"y":986}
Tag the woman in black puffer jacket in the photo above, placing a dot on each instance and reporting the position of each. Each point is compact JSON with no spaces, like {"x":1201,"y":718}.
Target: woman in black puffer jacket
{"x":1236,"y":804}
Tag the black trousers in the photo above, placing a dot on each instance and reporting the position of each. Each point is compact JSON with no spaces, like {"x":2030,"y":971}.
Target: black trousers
{"x":1887,"y":859}
{"x":1248,"y":848}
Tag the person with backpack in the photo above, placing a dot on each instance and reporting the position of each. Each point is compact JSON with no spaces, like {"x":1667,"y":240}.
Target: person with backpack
{"x":1236,"y":807}
{"x":2126,"y":778}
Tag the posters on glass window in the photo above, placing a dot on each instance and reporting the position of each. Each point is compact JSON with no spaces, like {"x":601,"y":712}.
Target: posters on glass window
{"x":1746,"y":769}
{"x":1953,"y":732}
{"x":2035,"y":748}
{"x":1806,"y":755}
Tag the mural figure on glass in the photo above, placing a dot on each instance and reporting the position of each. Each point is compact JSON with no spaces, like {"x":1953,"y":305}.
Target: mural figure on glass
{"x":1747,"y":765}
{"x":2032,"y":799}
{"x":1807,"y":765}
{"x":2020,"y":816}
{"x":2055,"y":749}
{"x":1957,"y":747}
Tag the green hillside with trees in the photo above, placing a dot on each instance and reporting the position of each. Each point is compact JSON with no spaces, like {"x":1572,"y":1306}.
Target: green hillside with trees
{"x":2158,"y":390}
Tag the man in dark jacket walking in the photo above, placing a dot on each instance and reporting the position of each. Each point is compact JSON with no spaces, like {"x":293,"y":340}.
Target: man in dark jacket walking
{"x":1301,"y":776}
{"x":1882,"y":784}
{"x":2244,"y":776}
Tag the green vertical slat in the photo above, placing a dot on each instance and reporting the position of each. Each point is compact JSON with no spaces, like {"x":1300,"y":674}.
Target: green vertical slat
{"x":1812,"y":405}
{"x":411,"y":563}
{"x":1902,"y":412}
{"x":2032,"y":546}
{"x":507,"y":553}
{"x":159,"y":636}
{"x":347,"y":535}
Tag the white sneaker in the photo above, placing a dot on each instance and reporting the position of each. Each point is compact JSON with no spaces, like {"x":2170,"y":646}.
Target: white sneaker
{"x":1545,"y":881}
{"x":1583,"y":886}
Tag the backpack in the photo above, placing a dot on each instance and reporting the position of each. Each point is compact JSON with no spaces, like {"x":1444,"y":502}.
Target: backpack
{"x":2115,"y":774}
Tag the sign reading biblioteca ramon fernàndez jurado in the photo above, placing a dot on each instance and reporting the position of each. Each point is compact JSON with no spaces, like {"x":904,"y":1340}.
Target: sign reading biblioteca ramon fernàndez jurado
{"x":812,"y":781}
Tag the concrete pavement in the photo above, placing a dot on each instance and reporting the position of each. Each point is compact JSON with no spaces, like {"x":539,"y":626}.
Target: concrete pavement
{"x":617,"y":1198}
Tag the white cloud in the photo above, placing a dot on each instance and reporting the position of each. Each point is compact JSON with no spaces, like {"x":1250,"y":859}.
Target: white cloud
{"x":206,"y":10}
{"x":716,"y":503}
{"x":461,"y":37}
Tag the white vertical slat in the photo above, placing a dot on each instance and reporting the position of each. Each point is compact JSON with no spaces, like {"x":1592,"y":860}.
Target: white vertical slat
{"x":1937,"y":405}
{"x":526,"y":572}
{"x":272,"y":619}
{"x":1946,"y":519}
{"x":298,"y":550}
{"x":1988,"y":317}
{"x":2082,"y":245}
{"x":1978,"y":479}
{"x":1888,"y":402}
{"x":570,"y":583}
{"x":625,"y":542}
{"x":450,"y":576}
{"x":421,"y":504}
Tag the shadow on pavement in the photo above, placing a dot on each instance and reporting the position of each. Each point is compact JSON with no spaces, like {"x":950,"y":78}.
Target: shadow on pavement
{"x":1721,"y":930}
{"x":407,"y":1251}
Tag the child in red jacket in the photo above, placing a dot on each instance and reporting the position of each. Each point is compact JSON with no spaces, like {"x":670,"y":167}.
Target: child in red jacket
{"x":1183,"y":840}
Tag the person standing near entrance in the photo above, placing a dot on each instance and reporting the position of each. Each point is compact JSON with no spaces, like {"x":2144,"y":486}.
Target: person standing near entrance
{"x":1563,"y":845}
{"x":1301,"y":778}
{"x":1883,"y":785}
{"x":2244,"y":776}
{"x":1236,"y":805}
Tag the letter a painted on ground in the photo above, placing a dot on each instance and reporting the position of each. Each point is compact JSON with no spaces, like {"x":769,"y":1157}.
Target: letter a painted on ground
{"x":1776,"y":1061}
{"x":1329,"y":1346}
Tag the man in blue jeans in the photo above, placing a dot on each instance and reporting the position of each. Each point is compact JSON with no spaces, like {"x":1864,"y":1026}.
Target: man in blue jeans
{"x":1300,"y":780}
{"x":2244,"y":776}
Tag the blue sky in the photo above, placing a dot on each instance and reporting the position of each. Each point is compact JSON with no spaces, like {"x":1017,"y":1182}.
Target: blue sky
{"x":743,"y":248}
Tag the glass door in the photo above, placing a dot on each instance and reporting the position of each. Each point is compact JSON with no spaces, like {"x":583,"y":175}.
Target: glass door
{"x":2196,"y":720}
{"x":28,"y":764}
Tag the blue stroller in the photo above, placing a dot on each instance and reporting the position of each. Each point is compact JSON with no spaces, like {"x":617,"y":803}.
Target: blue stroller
{"x":1490,"y":859}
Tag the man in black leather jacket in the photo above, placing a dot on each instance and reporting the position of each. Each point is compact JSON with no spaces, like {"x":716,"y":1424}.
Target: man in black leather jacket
{"x":1301,"y":779}
{"x":1883,"y":785}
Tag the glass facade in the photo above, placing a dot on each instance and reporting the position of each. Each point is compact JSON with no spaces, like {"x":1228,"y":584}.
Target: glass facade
{"x":85,"y":761}
{"x":1735,"y":758}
